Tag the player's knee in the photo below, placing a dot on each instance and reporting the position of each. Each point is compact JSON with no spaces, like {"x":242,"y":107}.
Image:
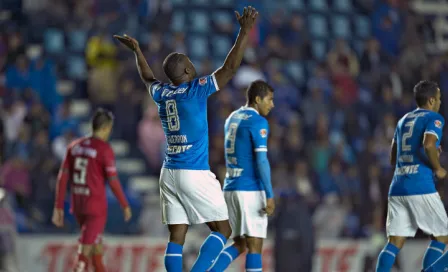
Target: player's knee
{"x":240,"y":244}
{"x":97,"y":249}
{"x":86,"y":250}
{"x":178,"y":233}
{"x":442,"y":239}
{"x":224,"y":228}
{"x":397,"y":241}
{"x":254,"y":245}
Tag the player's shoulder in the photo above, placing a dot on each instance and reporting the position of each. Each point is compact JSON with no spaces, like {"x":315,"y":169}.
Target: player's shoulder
{"x":436,"y":116}
{"x":75,"y":142}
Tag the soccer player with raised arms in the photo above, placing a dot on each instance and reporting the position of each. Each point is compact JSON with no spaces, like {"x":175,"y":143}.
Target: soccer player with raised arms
{"x":189,"y":191}
{"x":247,"y":188}
{"x":413,"y":200}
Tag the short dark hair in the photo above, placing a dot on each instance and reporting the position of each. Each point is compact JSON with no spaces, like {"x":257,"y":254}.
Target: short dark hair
{"x":100,"y":118}
{"x":424,"y":90}
{"x":257,"y":88}
{"x":170,"y":65}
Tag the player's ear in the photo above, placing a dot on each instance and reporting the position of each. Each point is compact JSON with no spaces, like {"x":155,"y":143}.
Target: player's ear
{"x":257,"y":99}
{"x":187,"y":71}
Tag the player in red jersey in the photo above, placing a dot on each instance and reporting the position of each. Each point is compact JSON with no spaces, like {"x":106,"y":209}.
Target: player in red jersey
{"x":88,"y":165}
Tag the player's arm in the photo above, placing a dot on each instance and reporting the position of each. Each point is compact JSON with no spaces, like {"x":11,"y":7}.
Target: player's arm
{"x":393,"y":150}
{"x":114,"y":182}
{"x":430,"y":146}
{"x":61,"y":189}
{"x":433,"y":133}
{"x":144,"y":70}
{"x":259,"y":137}
{"x":233,"y":60}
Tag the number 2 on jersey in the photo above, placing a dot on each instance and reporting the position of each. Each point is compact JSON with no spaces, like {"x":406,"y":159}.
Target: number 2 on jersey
{"x":172,"y":117}
{"x":80,"y":171}
{"x":407,"y":135}
{"x":231,"y":137}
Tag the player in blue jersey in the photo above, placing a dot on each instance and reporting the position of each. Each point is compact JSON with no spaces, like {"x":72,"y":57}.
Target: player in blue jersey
{"x":247,"y":187}
{"x":190,"y":193}
{"x":413,"y":200}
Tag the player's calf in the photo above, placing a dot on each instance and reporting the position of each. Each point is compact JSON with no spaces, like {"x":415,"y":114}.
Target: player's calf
{"x":434,"y":259}
{"x":386,"y":258}
{"x":213,"y":245}
{"x":253,"y":258}
{"x":82,"y":262}
{"x":229,"y":254}
{"x":173,"y":253}
{"x":97,"y":258}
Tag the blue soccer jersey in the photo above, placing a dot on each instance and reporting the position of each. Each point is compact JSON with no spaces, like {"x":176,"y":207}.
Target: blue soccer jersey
{"x":246,"y":133}
{"x":413,"y":173}
{"x":183,"y":113}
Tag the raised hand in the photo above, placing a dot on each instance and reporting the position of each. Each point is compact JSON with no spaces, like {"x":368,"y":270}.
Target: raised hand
{"x":130,"y":42}
{"x":247,"y":20}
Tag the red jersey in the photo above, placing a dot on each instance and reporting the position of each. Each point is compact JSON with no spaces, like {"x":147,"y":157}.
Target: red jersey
{"x":88,"y":165}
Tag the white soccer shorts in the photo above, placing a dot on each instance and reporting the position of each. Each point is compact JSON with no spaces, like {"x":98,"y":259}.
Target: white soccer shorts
{"x":245,"y":213}
{"x":191,"y":197}
{"x":406,"y":214}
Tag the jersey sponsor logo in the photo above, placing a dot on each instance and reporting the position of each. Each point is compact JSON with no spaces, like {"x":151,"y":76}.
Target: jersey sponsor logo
{"x":177,"y":139}
{"x":407,"y":170}
{"x":263,"y":133}
{"x":78,"y":150}
{"x":168,"y":92}
{"x":81,"y":191}
{"x":176,"y":149}
{"x":234,"y":172}
{"x":438,"y":123}
{"x":203,"y":81}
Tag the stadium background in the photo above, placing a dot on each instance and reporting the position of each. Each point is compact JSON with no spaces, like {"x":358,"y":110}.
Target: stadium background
{"x":342,"y":70}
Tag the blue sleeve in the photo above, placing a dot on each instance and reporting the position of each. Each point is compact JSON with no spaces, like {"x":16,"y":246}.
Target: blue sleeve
{"x":203,"y":87}
{"x":264,"y":171}
{"x":154,"y":87}
{"x":259,"y":135}
{"x":435,"y":126}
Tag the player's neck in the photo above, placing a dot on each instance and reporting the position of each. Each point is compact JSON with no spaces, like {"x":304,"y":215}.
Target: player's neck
{"x":252,"y":106}
{"x":99,"y":136}
{"x":425,"y":108}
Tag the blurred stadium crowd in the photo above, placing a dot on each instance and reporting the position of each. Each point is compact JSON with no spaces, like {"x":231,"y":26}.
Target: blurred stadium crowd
{"x":342,"y":70}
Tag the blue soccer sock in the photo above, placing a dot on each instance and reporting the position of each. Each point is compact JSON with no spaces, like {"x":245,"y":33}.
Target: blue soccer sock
{"x":386,"y":258}
{"x":253,"y":262}
{"x":439,"y":265}
{"x":434,"y":251}
{"x":226,"y":257}
{"x":209,"y":251}
{"x":173,"y":257}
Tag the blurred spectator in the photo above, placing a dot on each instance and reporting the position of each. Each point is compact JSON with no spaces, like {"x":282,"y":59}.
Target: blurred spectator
{"x":15,"y":178}
{"x":63,"y":121}
{"x":127,"y":110}
{"x":43,"y":81}
{"x":387,"y":26}
{"x":13,"y":117}
{"x":37,"y":118}
{"x":151,"y":137}
{"x":61,"y":142}
{"x":249,"y":72}
{"x":18,"y":76}
{"x":343,"y":55}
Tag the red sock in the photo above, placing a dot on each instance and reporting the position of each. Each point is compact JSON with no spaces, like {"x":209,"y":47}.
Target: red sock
{"x":98,"y":263}
{"x":82,"y":264}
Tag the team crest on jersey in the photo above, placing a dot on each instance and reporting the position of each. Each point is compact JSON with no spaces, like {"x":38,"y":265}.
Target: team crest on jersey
{"x":438,"y":123}
{"x":203,"y":81}
{"x":263,"y":133}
